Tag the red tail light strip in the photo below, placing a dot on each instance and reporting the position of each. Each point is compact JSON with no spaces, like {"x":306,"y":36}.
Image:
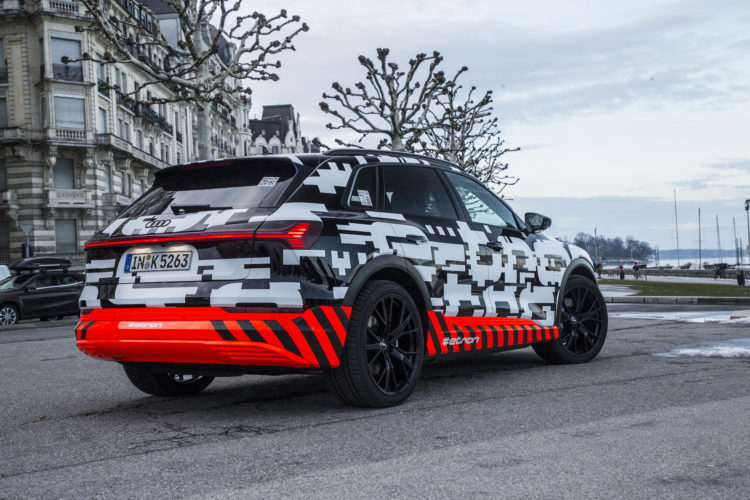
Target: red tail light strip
{"x":294,"y":236}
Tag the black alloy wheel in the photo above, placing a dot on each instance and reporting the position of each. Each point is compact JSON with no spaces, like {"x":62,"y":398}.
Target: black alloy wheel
{"x":391,"y":347}
{"x":582,"y":324}
{"x":384,"y":349}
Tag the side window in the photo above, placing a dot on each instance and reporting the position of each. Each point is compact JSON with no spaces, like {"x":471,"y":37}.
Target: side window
{"x":363,"y":189}
{"x":68,"y":279}
{"x":42,"y":280}
{"x":416,"y":191}
{"x":483,"y":206}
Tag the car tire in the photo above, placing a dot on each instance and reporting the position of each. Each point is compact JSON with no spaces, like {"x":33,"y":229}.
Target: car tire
{"x":8,"y":315}
{"x":384,"y":350}
{"x":166,"y":384}
{"x":582,"y":323}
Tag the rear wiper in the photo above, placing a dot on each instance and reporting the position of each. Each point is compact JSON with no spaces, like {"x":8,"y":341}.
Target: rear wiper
{"x":187,"y":209}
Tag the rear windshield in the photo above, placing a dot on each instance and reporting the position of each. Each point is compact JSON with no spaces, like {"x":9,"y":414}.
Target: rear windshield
{"x":252,"y":183}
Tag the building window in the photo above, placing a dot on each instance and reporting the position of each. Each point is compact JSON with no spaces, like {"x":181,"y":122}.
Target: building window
{"x":260,"y":150}
{"x":3,"y":112}
{"x":70,"y":48}
{"x":3,"y":176}
{"x":66,"y":240}
{"x":63,"y":174}
{"x":120,"y":130}
{"x":151,"y":146}
{"x":179,"y":158}
{"x":139,"y":139}
{"x":3,"y":66}
{"x":101,"y":126}
{"x":69,"y":112}
{"x":107,"y":180}
{"x":143,"y":186}
{"x":127,"y":187}
{"x":4,"y":238}
{"x":117,"y":183}
{"x":275,"y":149}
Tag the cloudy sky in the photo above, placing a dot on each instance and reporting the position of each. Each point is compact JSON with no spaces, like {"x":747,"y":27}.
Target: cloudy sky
{"x":614,"y":104}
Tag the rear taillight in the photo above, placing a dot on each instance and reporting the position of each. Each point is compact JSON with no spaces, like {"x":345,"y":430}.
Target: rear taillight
{"x":296,"y":234}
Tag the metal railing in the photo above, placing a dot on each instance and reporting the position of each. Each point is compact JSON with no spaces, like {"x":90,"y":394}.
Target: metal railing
{"x":149,"y":114}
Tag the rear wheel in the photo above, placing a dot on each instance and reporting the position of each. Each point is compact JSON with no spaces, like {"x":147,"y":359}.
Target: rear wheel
{"x":384,"y":350}
{"x":582,"y":324}
{"x":166,"y":384}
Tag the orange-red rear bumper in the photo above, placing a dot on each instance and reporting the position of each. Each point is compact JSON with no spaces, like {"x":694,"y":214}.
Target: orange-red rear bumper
{"x":210,"y":335}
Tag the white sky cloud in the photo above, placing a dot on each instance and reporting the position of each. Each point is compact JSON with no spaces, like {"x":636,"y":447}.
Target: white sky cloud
{"x":606,"y":99}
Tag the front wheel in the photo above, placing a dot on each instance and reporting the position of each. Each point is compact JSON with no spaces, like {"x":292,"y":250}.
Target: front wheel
{"x":8,"y":315}
{"x":166,"y":384}
{"x":384,"y":350}
{"x":582,"y":324}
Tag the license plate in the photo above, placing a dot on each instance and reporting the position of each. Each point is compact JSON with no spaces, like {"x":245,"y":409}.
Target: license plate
{"x":157,"y":261}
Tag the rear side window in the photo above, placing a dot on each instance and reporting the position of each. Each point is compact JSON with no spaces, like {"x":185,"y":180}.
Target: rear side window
{"x":363,"y":190}
{"x":416,"y":191}
{"x":252,"y":183}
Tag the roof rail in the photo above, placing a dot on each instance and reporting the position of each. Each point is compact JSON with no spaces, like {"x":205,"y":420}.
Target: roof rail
{"x":40,"y":264}
{"x":387,"y":152}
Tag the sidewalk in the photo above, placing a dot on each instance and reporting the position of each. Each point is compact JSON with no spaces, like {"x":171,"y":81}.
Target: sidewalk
{"x":647,"y":299}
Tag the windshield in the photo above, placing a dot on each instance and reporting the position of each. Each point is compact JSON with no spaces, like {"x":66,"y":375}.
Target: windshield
{"x":248,"y":183}
{"x":15,"y":281}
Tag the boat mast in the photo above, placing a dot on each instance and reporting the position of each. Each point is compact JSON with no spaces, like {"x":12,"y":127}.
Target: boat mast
{"x":677,"y":232}
{"x":700,"y":254}
{"x":718,"y":239}
{"x":736,"y":250}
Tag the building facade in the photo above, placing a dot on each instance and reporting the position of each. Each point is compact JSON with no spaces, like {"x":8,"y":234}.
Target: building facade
{"x":73,"y":153}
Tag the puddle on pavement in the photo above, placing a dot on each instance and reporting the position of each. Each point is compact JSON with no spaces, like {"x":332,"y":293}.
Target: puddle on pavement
{"x":735,"y":348}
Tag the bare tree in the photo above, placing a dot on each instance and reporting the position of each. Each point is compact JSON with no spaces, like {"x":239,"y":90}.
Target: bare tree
{"x":393,"y":103}
{"x":469,"y":135}
{"x":192,"y":66}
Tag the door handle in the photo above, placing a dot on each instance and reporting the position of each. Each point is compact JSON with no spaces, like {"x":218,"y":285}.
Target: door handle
{"x":495,"y":245}
{"x":416,"y":238}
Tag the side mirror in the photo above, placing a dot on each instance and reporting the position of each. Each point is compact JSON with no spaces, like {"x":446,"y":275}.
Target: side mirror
{"x":536,"y":222}
{"x":30,"y":288}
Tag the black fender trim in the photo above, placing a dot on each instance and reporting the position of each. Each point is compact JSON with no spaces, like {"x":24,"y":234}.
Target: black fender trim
{"x":575,"y":267}
{"x":361,"y":275}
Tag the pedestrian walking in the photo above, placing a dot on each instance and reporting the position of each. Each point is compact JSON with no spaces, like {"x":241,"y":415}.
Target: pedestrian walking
{"x":622,"y":272}
{"x":740,"y":277}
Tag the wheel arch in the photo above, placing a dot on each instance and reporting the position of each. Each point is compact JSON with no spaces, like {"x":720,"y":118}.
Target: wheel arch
{"x":396,"y":269}
{"x":578,"y":267}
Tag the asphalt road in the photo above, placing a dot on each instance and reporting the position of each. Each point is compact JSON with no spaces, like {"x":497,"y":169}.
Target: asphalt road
{"x":630,"y":424}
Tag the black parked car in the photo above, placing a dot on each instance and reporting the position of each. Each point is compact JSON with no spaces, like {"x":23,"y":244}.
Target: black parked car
{"x":42,"y":288}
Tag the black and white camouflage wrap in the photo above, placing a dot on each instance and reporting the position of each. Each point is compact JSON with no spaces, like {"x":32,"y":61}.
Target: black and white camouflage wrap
{"x":461,"y":273}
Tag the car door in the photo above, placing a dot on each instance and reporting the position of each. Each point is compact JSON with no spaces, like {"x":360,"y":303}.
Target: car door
{"x":40,"y":296}
{"x":520,"y":283}
{"x":433,"y":239}
{"x":69,"y":286}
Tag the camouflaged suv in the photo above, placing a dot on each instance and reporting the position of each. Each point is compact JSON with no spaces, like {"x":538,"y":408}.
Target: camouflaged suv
{"x":358,"y":264}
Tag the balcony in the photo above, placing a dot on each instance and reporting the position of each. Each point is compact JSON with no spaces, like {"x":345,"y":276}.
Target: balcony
{"x":68,"y":198}
{"x":117,"y":199}
{"x":152,"y":116}
{"x":103,"y":88}
{"x":223,"y":146}
{"x":12,"y":134}
{"x":77,"y":135}
{"x":125,"y":103}
{"x":121,"y":145}
{"x":67,"y":72}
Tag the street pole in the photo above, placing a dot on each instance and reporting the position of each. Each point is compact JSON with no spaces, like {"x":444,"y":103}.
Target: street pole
{"x":700,"y":253}
{"x":736,"y":249}
{"x":676,"y":230}
{"x":747,"y":213}
{"x":596,"y":242}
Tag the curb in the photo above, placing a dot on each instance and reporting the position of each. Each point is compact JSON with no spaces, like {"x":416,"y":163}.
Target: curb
{"x":723,"y":301}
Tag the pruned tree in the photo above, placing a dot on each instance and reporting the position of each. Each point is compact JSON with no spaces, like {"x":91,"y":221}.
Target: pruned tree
{"x":469,"y":135}
{"x":192,"y":67}
{"x":391,"y":103}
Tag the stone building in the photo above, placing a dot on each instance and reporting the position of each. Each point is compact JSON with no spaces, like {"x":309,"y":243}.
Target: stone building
{"x":72,"y":153}
{"x":277,"y":132}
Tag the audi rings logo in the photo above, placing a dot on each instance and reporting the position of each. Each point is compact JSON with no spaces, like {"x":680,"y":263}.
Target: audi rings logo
{"x":158,"y":223}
